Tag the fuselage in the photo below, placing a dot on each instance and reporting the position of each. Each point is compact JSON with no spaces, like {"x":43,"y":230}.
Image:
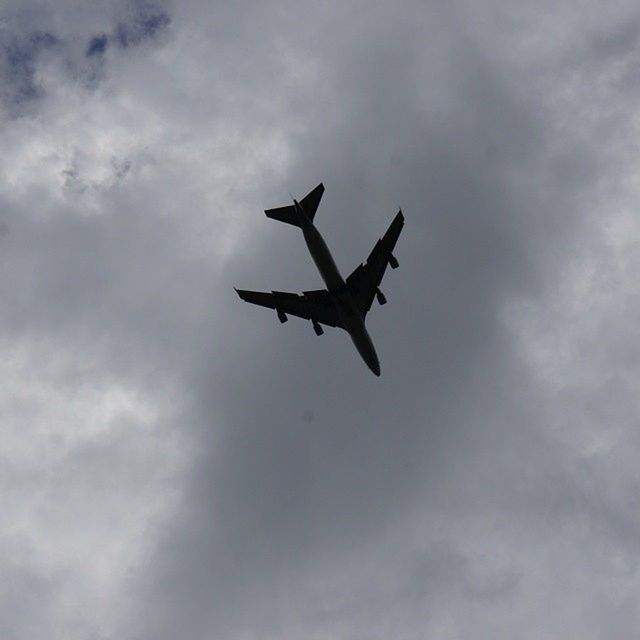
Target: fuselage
{"x":352,"y":319}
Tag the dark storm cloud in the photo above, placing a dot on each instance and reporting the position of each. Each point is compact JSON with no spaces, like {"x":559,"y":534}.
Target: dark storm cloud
{"x":404,"y":111}
{"x":318,"y":500}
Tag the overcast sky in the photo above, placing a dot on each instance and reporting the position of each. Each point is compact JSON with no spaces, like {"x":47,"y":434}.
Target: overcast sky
{"x":175,"y":463}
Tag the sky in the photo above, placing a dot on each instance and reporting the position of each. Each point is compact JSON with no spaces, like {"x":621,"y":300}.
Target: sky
{"x":175,"y":463}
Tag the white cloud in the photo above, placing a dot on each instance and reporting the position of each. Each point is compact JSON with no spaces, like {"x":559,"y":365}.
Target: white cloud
{"x":88,"y":462}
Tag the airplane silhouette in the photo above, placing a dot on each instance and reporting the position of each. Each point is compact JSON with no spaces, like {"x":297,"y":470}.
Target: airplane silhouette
{"x":342,"y":304}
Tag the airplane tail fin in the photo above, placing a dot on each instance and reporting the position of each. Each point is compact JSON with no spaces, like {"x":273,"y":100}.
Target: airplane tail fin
{"x":309,"y":203}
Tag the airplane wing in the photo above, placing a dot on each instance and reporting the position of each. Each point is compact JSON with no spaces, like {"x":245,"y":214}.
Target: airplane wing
{"x":311,"y":305}
{"x":366,"y":278}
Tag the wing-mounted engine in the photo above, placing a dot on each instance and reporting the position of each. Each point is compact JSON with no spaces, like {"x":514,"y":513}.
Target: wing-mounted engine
{"x":282,"y":316}
{"x":317,"y":328}
{"x":393,"y":262}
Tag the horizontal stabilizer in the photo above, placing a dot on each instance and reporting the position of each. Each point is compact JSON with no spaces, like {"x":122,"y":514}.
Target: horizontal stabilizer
{"x":284,"y":214}
{"x":309,"y":203}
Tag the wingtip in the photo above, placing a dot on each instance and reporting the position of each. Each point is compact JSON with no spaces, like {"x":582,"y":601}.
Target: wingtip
{"x":375,"y":368}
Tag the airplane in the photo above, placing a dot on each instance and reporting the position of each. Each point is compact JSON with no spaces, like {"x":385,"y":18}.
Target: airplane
{"x":344,"y":303}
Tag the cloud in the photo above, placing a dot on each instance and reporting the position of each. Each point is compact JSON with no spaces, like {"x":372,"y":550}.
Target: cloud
{"x":39,"y":49}
{"x":19,"y":58}
{"x":145,"y":21}
{"x":146,"y":24}
{"x":178,"y":464}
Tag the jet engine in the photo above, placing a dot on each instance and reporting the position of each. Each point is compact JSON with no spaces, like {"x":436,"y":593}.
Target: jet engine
{"x":317,"y":328}
{"x":282,"y":316}
{"x":393,"y":262}
{"x":380,"y":297}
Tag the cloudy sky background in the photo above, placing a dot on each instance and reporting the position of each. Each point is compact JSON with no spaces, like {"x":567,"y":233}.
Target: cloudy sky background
{"x":177,"y":464}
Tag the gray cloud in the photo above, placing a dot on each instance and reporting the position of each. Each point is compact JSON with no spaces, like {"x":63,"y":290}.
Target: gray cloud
{"x":247,"y":479}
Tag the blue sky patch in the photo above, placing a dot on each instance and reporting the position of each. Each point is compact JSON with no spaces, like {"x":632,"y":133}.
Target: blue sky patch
{"x":145,"y":25}
{"x":22,"y":52}
{"x":98,"y":45}
{"x":20,"y":56}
